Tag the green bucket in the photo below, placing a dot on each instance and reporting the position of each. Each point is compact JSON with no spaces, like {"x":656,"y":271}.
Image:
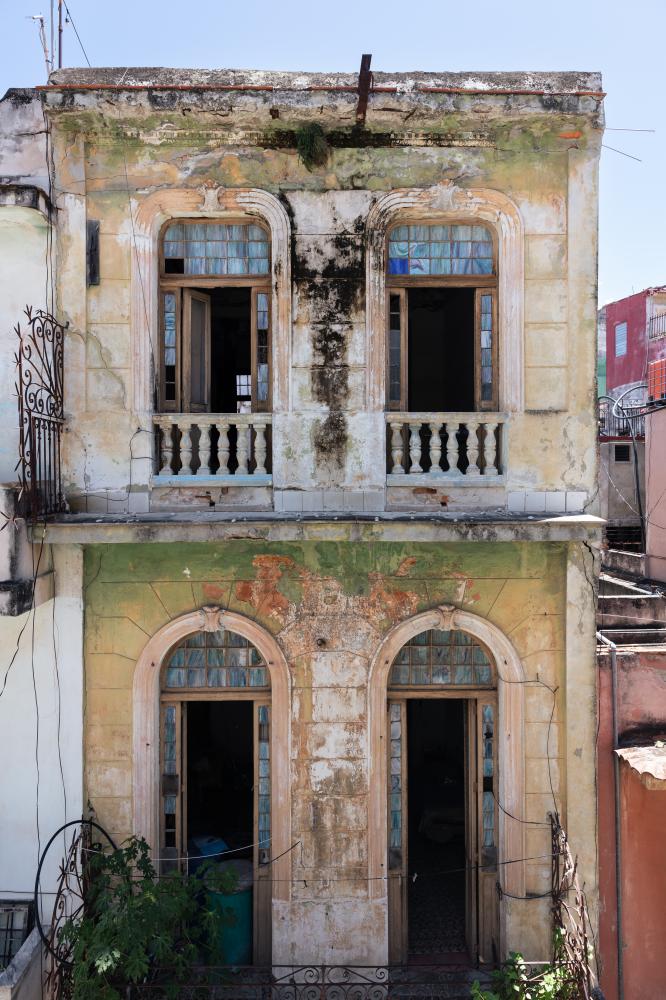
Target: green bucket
{"x":233,"y":945}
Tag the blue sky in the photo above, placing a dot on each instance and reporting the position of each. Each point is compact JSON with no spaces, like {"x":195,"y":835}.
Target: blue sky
{"x":623,"y":40}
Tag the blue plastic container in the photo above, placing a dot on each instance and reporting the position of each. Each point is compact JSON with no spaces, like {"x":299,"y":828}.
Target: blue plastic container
{"x":234,"y":938}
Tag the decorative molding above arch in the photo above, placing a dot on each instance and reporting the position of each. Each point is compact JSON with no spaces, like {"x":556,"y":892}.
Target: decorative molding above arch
{"x":146,"y":729}
{"x":149,"y":214}
{"x":445,"y":203}
{"x":510,"y":740}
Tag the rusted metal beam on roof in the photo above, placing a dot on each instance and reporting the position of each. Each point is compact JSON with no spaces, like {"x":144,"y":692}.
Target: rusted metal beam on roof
{"x":364,"y":83}
{"x":495,"y":92}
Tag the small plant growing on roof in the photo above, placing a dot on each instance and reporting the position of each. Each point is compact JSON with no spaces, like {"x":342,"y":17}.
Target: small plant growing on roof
{"x":311,"y":145}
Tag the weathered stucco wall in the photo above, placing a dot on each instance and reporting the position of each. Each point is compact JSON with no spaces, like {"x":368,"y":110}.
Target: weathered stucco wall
{"x":541,"y":153}
{"x":23,"y":255}
{"x":41,"y":724}
{"x":617,"y":483}
{"x":349,"y":596}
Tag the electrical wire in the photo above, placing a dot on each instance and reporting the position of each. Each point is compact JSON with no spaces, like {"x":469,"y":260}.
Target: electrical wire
{"x":76,"y":32}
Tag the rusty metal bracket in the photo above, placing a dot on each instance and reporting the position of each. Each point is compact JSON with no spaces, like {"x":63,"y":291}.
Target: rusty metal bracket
{"x":364,"y":84}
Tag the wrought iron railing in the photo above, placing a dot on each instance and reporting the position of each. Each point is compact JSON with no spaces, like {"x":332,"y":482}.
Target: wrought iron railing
{"x":39,"y":387}
{"x":319,"y":982}
{"x":657,"y":327}
{"x":613,"y":425}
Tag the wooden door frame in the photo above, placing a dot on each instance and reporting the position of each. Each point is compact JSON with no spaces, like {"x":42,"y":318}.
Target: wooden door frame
{"x":510,"y":746}
{"x":261,"y":898}
{"x":398,"y":910}
{"x":146,"y":704}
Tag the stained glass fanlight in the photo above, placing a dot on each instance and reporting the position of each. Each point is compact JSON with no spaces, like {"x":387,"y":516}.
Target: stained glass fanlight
{"x":444,"y":658}
{"x":215,"y":248}
{"x":420,"y":250}
{"x":221,"y":659}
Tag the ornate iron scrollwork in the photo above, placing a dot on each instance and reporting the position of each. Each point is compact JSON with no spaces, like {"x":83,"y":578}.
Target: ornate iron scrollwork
{"x":39,"y":388}
{"x":69,"y":901}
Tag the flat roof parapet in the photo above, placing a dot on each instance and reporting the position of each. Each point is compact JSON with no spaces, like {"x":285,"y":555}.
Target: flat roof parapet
{"x":145,"y":78}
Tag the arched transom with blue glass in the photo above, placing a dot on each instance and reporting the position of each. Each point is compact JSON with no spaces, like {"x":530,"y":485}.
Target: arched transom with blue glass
{"x":221,"y":659}
{"x":441,"y":250}
{"x":442,"y":658}
{"x":216,"y":248}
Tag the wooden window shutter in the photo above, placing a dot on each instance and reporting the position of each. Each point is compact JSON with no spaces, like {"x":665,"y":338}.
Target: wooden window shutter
{"x":196,"y":352}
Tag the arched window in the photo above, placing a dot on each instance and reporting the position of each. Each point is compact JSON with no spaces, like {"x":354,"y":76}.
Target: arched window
{"x":215,"y":317}
{"x":442,"y":658}
{"x":442,"y":318}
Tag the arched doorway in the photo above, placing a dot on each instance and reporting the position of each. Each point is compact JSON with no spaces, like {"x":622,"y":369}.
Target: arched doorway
{"x":211,"y":753}
{"x":447,"y":672}
{"x":442,"y":809}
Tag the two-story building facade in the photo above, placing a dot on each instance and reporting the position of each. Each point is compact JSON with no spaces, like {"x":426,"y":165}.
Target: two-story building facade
{"x":329,"y":454}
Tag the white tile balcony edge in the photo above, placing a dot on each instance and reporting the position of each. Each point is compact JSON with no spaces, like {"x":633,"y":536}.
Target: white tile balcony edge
{"x":213,"y":480}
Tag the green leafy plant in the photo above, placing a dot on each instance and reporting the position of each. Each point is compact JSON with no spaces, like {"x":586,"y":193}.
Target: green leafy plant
{"x":516,"y":981}
{"x":219,"y":878}
{"x":135,"y":924}
{"x":311,"y":145}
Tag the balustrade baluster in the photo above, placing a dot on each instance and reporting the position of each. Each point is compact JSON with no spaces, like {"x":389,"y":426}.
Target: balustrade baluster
{"x":167,"y":449}
{"x":185,"y":449}
{"x":396,"y":449}
{"x":242,"y":450}
{"x":204,"y":449}
{"x":435,"y":447}
{"x":223,"y":448}
{"x":452,"y":450}
{"x":472,"y":448}
{"x":260,"y":449}
{"x":490,"y":450}
{"x":415,"y":448}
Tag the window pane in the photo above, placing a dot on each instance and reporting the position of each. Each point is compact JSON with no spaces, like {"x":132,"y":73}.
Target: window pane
{"x":442,"y":658}
{"x":486,"y":348}
{"x":213,"y":248}
{"x":620,"y":340}
{"x":220,"y":659}
{"x":440,"y":250}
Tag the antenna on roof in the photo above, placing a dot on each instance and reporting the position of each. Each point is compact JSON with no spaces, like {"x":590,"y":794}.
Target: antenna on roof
{"x":59,"y":34}
{"x":42,"y":37}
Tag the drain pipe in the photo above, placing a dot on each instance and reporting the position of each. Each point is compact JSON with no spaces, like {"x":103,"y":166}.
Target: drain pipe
{"x":618,"y":833}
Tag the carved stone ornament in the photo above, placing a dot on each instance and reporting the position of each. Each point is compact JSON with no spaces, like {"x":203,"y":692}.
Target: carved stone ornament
{"x":212,"y":618}
{"x":211,"y":198}
{"x":447,"y":614}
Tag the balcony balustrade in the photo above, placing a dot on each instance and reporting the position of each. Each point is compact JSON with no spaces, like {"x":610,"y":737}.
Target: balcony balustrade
{"x":457,"y":447}
{"x":233,"y":448}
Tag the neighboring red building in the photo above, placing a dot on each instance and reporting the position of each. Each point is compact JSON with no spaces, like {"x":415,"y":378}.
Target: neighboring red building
{"x":635,"y":335}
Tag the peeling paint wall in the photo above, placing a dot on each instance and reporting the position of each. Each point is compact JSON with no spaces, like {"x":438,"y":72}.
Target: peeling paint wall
{"x":329,"y":606}
{"x":111,"y":153}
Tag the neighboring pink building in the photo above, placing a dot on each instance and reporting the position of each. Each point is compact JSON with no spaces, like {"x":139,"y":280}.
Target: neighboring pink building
{"x":635,"y":335}
{"x":641,"y":720}
{"x":655,"y":494}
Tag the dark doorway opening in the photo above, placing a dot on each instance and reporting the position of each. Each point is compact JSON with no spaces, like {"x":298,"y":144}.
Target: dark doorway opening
{"x":220,"y":778}
{"x":436,"y":811}
{"x":440,"y":374}
{"x":231,"y":350}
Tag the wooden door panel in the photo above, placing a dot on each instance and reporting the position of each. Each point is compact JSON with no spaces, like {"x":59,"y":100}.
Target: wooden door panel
{"x":398,"y":881}
{"x":196,"y":351}
{"x":471,"y":852}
